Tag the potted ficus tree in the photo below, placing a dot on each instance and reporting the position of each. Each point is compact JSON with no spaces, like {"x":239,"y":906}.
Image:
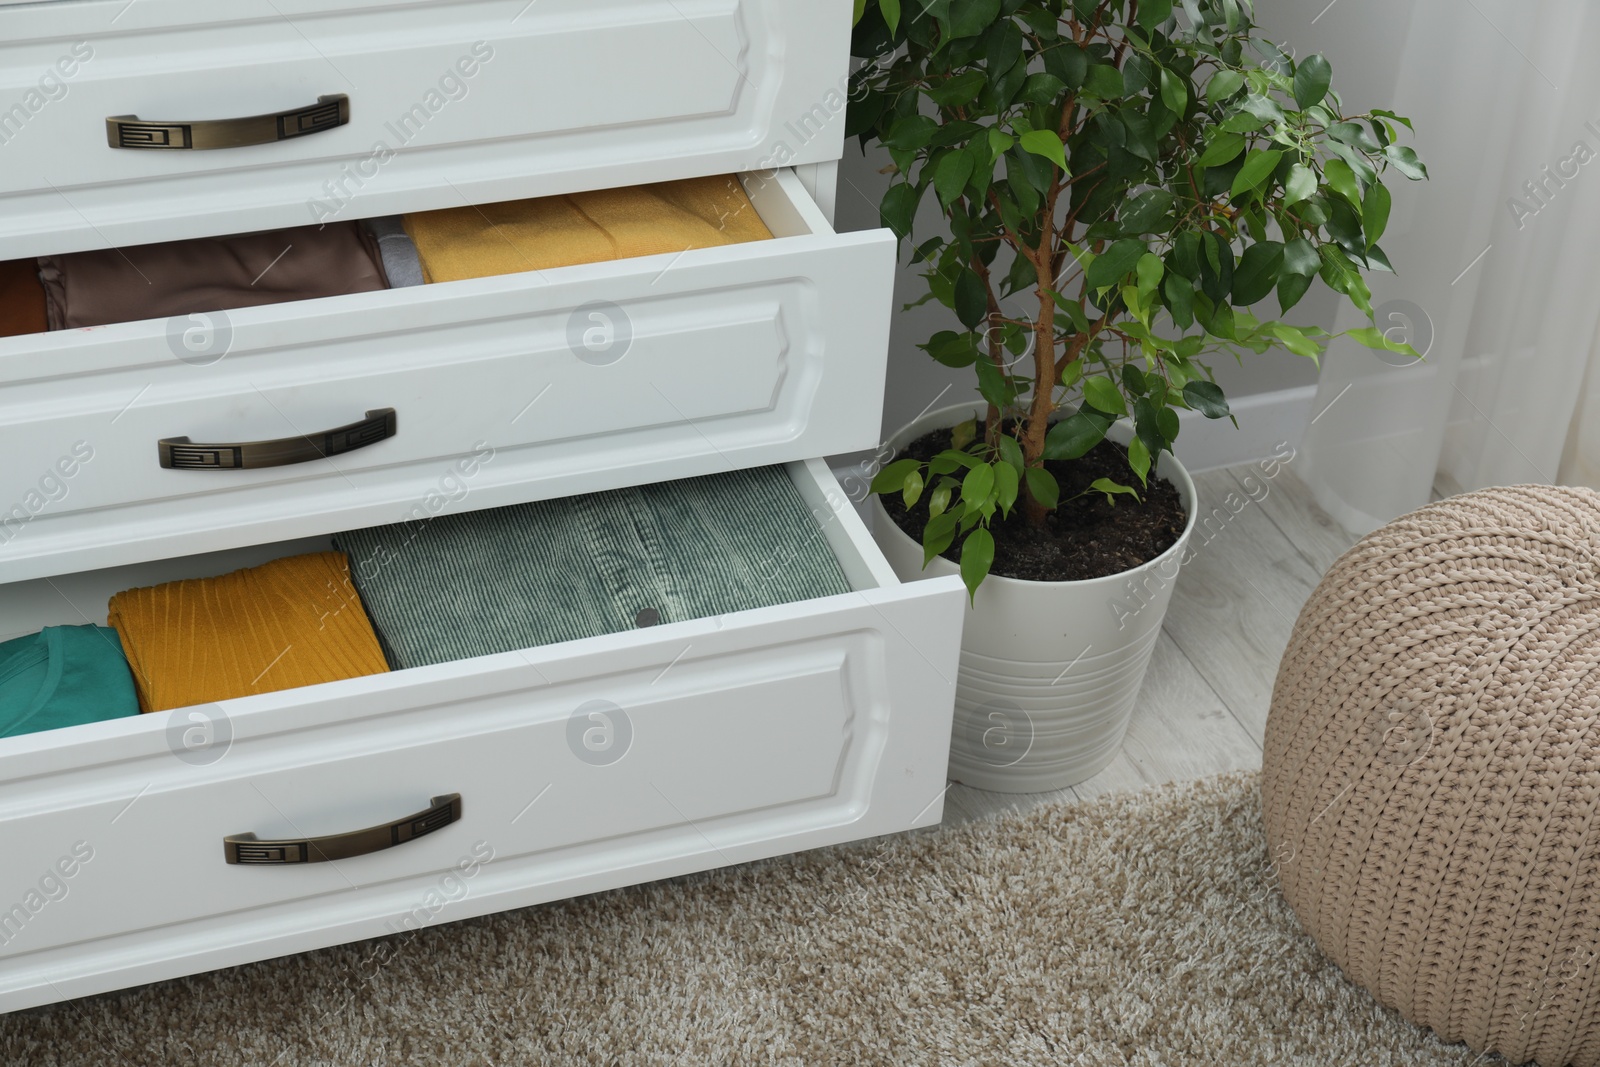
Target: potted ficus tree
{"x":1122,"y":184}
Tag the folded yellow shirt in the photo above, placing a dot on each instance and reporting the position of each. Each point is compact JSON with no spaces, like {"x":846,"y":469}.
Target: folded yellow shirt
{"x":558,"y":231}
{"x":292,"y":622}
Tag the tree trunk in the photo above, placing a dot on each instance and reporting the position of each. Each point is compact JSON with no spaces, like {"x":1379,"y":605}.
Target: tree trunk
{"x":1043,"y":406}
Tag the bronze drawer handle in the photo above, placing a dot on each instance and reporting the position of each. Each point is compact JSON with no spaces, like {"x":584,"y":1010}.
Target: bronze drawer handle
{"x":130,"y":131}
{"x":181,"y":454}
{"x":248,"y":849}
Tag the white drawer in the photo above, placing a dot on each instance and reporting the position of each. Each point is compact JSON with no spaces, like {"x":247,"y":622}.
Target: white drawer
{"x":754,"y":734}
{"x":449,"y":102}
{"x":740,"y":356}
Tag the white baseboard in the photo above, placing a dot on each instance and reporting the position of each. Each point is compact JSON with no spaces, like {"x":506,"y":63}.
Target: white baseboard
{"x":1266,"y":422}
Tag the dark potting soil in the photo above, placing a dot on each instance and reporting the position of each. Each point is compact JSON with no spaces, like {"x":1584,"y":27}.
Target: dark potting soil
{"x":1085,"y":537}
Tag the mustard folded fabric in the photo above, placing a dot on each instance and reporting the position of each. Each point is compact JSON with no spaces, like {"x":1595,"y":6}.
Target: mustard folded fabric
{"x":22,"y":307}
{"x":591,"y":227}
{"x":292,"y":622}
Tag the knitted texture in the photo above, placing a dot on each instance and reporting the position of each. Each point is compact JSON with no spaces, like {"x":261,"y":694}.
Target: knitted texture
{"x":1432,"y":770}
{"x":526,"y":575}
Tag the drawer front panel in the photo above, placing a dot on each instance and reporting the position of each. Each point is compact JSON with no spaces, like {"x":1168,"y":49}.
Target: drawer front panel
{"x":448,"y":102}
{"x":537,"y":773}
{"x":733,"y":357}
{"x":580,"y":767}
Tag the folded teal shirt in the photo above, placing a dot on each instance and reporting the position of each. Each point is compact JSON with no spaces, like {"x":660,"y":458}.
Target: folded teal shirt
{"x":482,"y":582}
{"x":63,"y":676}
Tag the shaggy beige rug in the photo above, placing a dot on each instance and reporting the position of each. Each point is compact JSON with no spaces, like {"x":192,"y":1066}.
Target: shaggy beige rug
{"x":1140,"y":929}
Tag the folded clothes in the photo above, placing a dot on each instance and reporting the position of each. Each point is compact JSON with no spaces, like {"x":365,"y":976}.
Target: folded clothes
{"x":399,"y":253}
{"x":482,"y":582}
{"x":63,"y":676}
{"x":558,"y":231}
{"x":209,"y":274}
{"x":22,"y":304}
{"x":292,"y":622}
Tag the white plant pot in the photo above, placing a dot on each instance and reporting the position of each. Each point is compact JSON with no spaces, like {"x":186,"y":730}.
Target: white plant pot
{"x":1050,"y":671}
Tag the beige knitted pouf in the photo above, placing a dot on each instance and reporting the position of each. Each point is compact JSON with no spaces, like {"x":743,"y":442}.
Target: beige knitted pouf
{"x":1431,"y":779}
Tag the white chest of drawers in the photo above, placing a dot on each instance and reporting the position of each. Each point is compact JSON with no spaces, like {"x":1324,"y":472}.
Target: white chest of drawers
{"x":749,"y":735}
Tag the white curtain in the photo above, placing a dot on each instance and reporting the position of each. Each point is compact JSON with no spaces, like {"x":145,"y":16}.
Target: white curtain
{"x":1499,"y":270}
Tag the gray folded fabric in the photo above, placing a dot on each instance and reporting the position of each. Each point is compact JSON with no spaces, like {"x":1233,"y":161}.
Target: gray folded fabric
{"x":399,"y":253}
{"x":482,"y":582}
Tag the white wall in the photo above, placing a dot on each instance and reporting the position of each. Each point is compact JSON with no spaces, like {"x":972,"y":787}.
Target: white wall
{"x":1271,"y":394}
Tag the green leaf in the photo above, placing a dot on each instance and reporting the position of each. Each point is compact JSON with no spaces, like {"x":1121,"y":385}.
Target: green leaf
{"x":1291,"y":287}
{"x":1300,"y":257}
{"x":950,"y":177}
{"x":911,"y":492}
{"x":963,"y":434}
{"x":1354,"y":135}
{"x":1146,"y":213}
{"x":1133,"y":379}
{"x":1076,"y":434}
{"x":1406,"y":162}
{"x":978,"y":485}
{"x":1179,"y":292}
{"x":1207,"y":399}
{"x":1311,"y":78}
{"x":969,"y":18}
{"x":977,"y":556}
{"x":1005,"y":486}
{"x":994,"y":385}
{"x":1375,"y":213}
{"x":1042,"y":88}
{"x":899,"y":207}
{"x":939,"y":534}
{"x":1112,"y":265}
{"x":1167,"y":422}
{"x":962,"y":89}
{"x":910,"y":133}
{"x":1111,"y":488}
{"x":1174,"y":90}
{"x":1043,"y":488}
{"x":952,"y":459}
{"x":1258,"y":167}
{"x":1342,"y":180}
{"x":1301,"y":184}
{"x":972,"y":299}
{"x":1375,"y":338}
{"x":1224,"y":148}
{"x":1103,"y":81}
{"x":1152,"y":13}
{"x":953,"y":349}
{"x":1045,"y":143}
{"x":891,"y":14}
{"x":939,"y":499}
{"x":1150,"y":269}
{"x":1000,"y":142}
{"x":1103,"y":394}
{"x":1011,"y":452}
{"x":892,"y":479}
{"x":1296,"y":341}
{"x":1072,"y":373}
{"x":1257,"y":272}
{"x":1223,"y":84}
{"x":1139,"y":459}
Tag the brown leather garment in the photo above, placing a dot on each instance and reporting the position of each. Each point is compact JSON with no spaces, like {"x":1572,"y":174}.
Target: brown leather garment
{"x":22,"y":301}
{"x":209,"y":274}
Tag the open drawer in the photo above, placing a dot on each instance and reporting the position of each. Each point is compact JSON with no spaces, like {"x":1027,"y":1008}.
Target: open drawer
{"x":735,"y":356}
{"x":580,"y":766}
{"x":164,"y":119}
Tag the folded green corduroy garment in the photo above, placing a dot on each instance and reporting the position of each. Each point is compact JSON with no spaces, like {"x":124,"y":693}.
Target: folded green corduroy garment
{"x":63,"y":676}
{"x":492,"y":581}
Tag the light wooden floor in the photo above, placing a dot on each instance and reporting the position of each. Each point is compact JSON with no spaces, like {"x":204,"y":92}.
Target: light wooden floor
{"x":1203,"y":707}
